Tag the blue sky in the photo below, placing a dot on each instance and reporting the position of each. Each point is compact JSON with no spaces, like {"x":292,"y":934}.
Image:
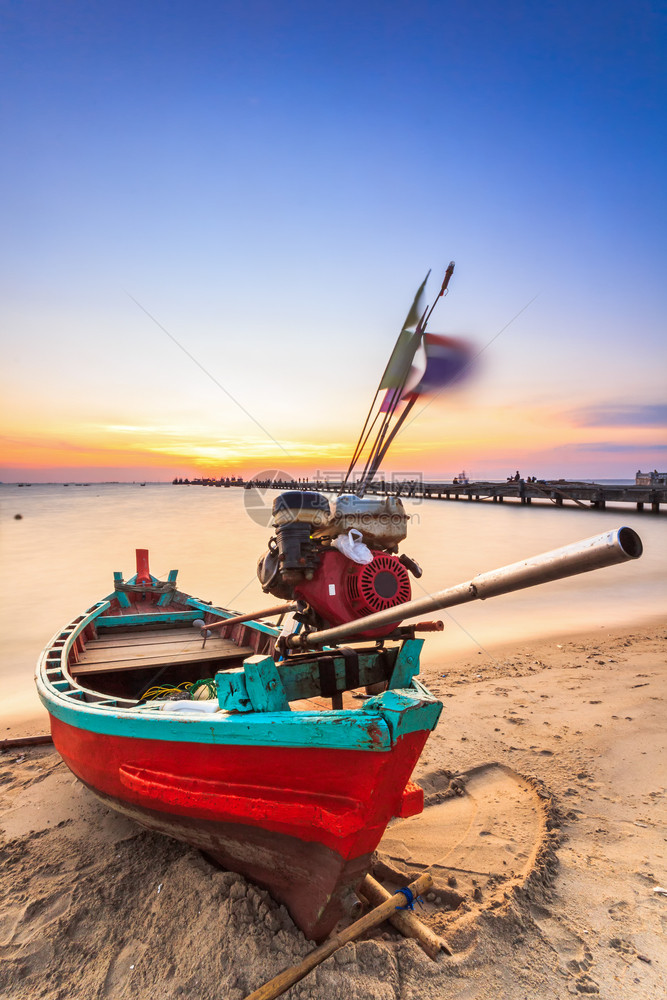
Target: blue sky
{"x":272,"y":181}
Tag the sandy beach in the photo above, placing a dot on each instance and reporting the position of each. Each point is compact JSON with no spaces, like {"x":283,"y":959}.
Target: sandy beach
{"x":550,"y":861}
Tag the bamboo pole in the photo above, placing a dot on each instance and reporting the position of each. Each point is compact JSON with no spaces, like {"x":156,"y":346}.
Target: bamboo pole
{"x":405,"y":921}
{"x":288,"y":977}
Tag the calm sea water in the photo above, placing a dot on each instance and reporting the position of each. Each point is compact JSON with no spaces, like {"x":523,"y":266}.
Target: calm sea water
{"x":59,"y":558}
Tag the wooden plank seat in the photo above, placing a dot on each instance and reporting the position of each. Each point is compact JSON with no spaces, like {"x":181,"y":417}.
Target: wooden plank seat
{"x":153,"y":650}
{"x":175,"y":637}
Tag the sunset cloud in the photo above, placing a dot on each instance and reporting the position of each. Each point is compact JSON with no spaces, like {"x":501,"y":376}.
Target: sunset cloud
{"x":614,"y":415}
{"x":613,"y":446}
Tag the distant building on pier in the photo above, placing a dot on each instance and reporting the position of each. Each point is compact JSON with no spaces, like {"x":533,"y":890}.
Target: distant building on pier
{"x":654,"y":478}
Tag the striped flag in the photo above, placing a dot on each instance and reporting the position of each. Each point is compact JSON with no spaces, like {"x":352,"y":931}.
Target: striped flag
{"x":440,"y":361}
{"x":448,"y":359}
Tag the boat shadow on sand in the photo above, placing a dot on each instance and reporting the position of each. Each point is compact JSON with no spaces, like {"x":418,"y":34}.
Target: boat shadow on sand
{"x":485,"y":835}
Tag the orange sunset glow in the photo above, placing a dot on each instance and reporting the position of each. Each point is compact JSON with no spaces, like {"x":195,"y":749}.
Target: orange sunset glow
{"x":438,"y":442}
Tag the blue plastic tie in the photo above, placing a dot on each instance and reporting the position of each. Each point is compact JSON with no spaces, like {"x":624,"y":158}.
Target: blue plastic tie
{"x":411,"y":899}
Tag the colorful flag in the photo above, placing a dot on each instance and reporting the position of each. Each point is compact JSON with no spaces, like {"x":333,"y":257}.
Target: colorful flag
{"x":439,"y":361}
{"x":448,"y":359}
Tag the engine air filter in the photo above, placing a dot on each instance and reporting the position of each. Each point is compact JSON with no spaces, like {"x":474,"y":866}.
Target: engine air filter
{"x":381,"y":584}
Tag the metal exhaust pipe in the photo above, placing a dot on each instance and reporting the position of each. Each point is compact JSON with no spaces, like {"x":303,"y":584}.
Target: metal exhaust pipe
{"x":607,"y":549}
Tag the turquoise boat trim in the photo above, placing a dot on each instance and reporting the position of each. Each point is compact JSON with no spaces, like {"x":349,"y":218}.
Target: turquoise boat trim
{"x":168,"y":597}
{"x":407,"y":663}
{"x":264,"y":684}
{"x":396,"y":708}
{"x":374,"y":727}
{"x":150,"y":618}
{"x":70,"y":635}
{"x":232,"y":691}
{"x":344,"y":730}
{"x":120,"y":595}
{"x":126,"y":621}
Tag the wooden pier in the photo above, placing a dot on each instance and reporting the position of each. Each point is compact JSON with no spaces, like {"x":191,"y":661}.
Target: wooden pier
{"x":560,"y":492}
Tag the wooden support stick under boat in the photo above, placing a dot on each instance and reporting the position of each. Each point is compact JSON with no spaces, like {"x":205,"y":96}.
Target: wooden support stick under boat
{"x":25,"y":741}
{"x":282,"y":982}
{"x":405,"y":921}
{"x":277,"y":609}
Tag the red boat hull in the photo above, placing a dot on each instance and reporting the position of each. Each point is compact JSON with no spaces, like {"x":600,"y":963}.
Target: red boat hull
{"x":301,"y":822}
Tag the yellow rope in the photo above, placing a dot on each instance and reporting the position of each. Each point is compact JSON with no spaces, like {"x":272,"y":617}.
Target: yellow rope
{"x":164,"y":691}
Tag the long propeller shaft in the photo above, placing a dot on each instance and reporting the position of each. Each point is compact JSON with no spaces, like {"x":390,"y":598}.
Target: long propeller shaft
{"x":597,"y":552}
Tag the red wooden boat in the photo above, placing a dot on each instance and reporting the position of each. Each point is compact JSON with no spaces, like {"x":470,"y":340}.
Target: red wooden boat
{"x":265,"y":776}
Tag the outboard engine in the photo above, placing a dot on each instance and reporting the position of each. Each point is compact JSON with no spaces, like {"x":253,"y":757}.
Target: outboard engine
{"x":304,"y":564}
{"x":293,"y":556}
{"x":343,"y":590}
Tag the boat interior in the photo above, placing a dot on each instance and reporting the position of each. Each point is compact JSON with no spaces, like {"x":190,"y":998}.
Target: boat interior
{"x":129,"y":663}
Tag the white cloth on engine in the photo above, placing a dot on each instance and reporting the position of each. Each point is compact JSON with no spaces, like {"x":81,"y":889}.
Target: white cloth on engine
{"x":353,"y":547}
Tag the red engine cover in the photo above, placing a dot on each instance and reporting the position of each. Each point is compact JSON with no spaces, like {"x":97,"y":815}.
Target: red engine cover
{"x":342,"y":590}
